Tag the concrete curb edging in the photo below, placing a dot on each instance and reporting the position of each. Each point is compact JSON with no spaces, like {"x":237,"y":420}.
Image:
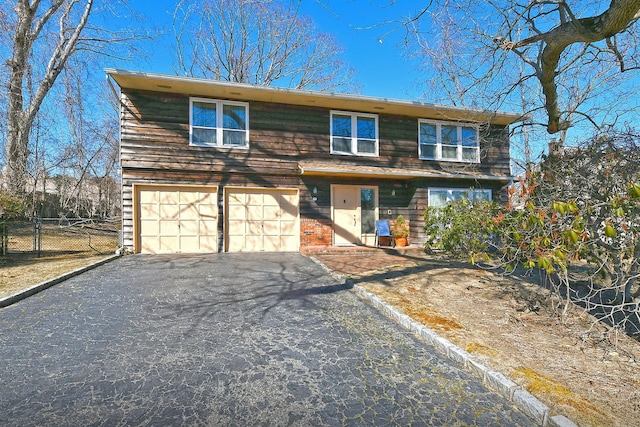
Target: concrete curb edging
{"x":19,"y":296}
{"x":521,"y":398}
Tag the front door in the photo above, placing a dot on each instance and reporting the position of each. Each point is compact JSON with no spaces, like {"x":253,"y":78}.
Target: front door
{"x":346,"y":223}
{"x":354,"y":215}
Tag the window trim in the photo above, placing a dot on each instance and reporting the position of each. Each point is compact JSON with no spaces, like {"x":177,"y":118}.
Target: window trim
{"x":354,"y":133}
{"x":461,"y":189}
{"x":439,"y":145}
{"x":220,"y":103}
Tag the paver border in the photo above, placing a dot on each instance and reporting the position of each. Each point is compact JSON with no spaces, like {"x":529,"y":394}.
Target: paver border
{"x":32,"y":290}
{"x":498,"y":382}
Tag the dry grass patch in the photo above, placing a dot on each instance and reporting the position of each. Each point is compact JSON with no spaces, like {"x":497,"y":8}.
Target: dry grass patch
{"x":509,"y":325}
{"x":21,"y":271}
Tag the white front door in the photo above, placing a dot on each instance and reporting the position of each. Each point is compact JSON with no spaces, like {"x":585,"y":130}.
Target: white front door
{"x":346,"y":223}
{"x":354,"y":215}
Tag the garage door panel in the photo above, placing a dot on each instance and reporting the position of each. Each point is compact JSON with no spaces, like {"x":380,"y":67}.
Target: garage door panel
{"x":236,"y":227}
{"x":150,"y":211}
{"x":149,"y":197}
{"x":190,"y":228}
{"x":271,"y":212}
{"x":235,"y":198}
{"x":287,"y":242}
{"x":169,"y":211}
{"x":208,"y":243}
{"x":270,"y":219}
{"x":253,"y":228}
{"x":149,"y":228}
{"x":271,"y":228}
{"x":208,"y":228}
{"x":271,"y":199}
{"x":208,"y":211}
{"x":255,"y":212}
{"x":235,"y":244}
{"x":190,"y":197}
{"x":237,"y":212}
{"x":169,"y":219}
{"x":189,"y":244}
{"x":168,"y":244}
{"x":151,"y":245}
{"x":168,"y":197}
{"x":189,"y":212}
{"x":168,"y":227}
{"x":289,"y":212}
{"x":253,"y":243}
{"x":272,"y":243}
{"x":255,"y":199}
{"x":288,"y":228}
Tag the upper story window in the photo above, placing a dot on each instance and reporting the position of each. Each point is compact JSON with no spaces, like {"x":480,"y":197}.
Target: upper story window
{"x":218,"y":123}
{"x":449,"y":141}
{"x":354,"y":133}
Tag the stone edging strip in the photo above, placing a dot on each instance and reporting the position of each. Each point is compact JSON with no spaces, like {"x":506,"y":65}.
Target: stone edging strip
{"x":520,"y":397}
{"x":18,"y":296}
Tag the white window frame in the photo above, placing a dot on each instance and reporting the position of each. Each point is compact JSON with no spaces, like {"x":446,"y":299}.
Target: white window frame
{"x":354,"y":133}
{"x":459,"y":146}
{"x":220,"y":103}
{"x":451,"y":190}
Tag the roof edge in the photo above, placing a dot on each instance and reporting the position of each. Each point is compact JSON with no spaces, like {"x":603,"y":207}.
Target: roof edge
{"x":396,"y":174}
{"x":188,"y":85}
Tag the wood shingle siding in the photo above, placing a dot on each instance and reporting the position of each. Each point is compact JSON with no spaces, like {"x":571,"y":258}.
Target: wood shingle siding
{"x":155,"y":128}
{"x":155,"y":150}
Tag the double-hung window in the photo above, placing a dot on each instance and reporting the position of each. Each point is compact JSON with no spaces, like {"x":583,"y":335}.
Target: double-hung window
{"x":354,"y":133}
{"x":218,"y":123}
{"x":448,"y":141}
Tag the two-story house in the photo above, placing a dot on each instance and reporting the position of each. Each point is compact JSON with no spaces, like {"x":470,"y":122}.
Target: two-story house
{"x":212,"y":166}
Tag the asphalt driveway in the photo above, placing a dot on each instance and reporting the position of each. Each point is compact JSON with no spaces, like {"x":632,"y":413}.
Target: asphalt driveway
{"x":224,"y":339}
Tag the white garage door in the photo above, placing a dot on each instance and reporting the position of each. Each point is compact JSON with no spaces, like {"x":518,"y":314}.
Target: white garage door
{"x":262,"y":220}
{"x":177,"y":219}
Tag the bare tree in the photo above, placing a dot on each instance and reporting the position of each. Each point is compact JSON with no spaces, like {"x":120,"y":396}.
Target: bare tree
{"x":38,"y":39}
{"x":265,"y":42}
{"x":571,"y":30}
{"x":32,"y":21}
{"x":579,"y":58}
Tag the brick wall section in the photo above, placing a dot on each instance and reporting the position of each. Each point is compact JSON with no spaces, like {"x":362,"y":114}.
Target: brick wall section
{"x":315,"y":232}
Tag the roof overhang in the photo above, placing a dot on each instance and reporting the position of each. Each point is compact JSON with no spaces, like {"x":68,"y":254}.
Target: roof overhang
{"x":356,"y":171}
{"x":246,"y":92}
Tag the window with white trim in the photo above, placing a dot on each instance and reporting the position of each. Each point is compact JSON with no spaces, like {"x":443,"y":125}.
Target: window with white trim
{"x":448,"y":141}
{"x":218,"y":123}
{"x":354,"y":133}
{"x":439,"y":197}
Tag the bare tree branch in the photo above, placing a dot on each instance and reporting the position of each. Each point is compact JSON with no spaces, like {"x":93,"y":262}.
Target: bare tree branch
{"x":616,"y":19}
{"x":263,"y":42}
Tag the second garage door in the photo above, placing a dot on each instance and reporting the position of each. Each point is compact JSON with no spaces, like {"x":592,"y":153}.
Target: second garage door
{"x":262,"y":220}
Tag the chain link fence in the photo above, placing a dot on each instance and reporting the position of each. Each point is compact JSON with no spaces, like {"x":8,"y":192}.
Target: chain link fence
{"x":54,"y":236}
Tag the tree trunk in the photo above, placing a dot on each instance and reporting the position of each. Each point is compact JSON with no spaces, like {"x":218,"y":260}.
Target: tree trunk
{"x":28,"y":28}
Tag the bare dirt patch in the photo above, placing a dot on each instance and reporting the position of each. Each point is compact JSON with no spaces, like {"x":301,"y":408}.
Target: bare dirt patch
{"x":510,"y":326}
{"x":21,"y":271}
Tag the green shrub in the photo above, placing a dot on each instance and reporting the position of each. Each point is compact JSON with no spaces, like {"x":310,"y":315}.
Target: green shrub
{"x":11,"y":207}
{"x":462,"y":228}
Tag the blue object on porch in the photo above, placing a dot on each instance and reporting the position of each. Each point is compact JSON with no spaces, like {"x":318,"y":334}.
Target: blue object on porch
{"x":383,"y":230}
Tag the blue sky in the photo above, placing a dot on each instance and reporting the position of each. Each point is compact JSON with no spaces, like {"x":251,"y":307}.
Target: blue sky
{"x":381,"y":68}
